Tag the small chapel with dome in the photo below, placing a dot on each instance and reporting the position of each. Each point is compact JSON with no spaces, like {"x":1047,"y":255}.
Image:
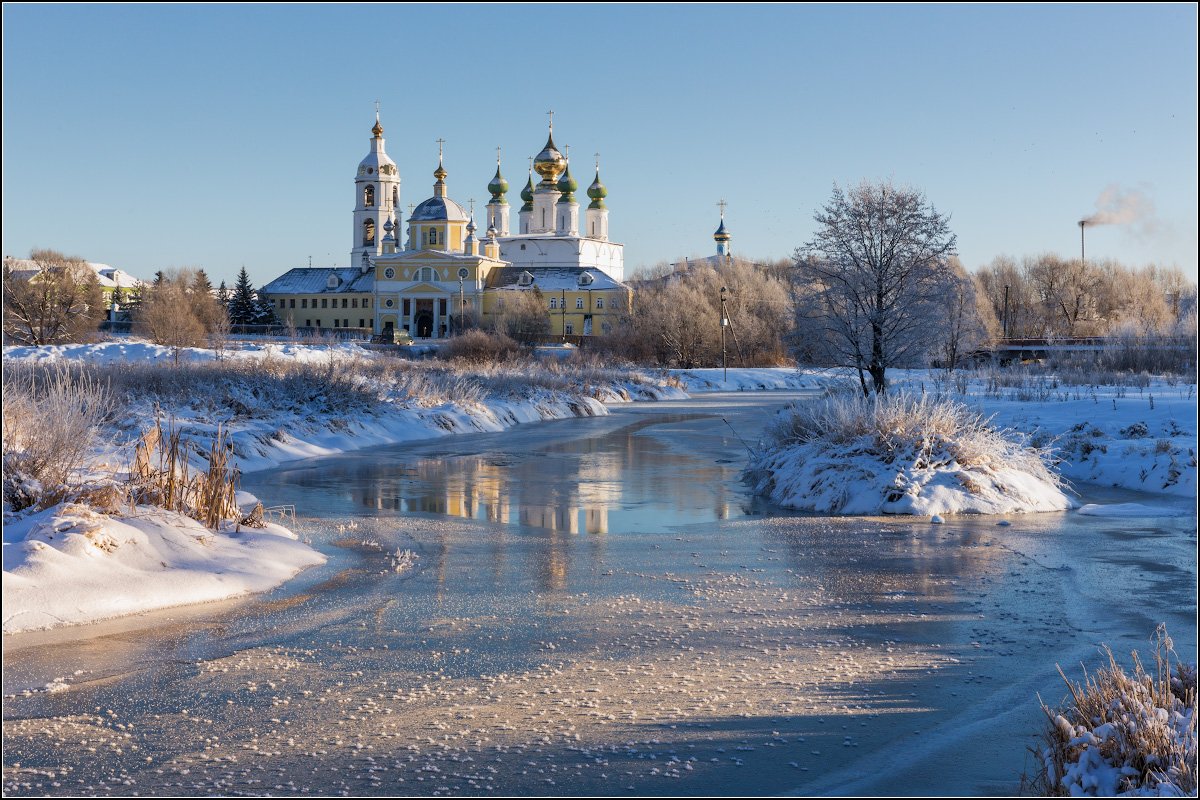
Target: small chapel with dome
{"x":429,"y":275}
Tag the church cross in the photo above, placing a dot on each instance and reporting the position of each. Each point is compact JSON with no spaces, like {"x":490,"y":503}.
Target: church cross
{"x":551,"y":113}
{"x":597,"y":155}
{"x":471,"y":203}
{"x":722,"y":205}
{"x":440,"y":142}
{"x":497,"y":156}
{"x":377,"y":109}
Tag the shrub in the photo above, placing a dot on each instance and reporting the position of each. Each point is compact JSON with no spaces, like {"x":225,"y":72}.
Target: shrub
{"x":53,"y":418}
{"x":1123,"y":733}
{"x":476,"y":346}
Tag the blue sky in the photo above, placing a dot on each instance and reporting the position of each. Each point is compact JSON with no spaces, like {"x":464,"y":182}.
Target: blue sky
{"x":222,"y":135}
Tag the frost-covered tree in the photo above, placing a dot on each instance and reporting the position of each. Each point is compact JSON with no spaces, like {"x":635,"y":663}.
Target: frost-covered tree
{"x":871,"y":276}
{"x":54,"y":299}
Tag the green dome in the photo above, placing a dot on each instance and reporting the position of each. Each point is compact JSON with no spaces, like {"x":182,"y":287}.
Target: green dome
{"x":597,"y":192}
{"x":527,"y":194}
{"x":567,"y":185}
{"x":498,"y":186}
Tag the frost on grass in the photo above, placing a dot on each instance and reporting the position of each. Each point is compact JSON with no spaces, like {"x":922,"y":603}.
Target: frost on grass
{"x":1122,"y":734}
{"x":901,"y":454}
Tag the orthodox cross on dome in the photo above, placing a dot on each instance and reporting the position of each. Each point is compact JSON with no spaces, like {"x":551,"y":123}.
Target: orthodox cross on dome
{"x":722,"y":205}
{"x":531,"y":163}
{"x":551,"y":114}
{"x":471,"y":203}
{"x":497,"y":155}
{"x":597,"y":155}
{"x":440,"y":142}
{"x":411,"y":208}
{"x":376,"y":109}
{"x":567,"y":153}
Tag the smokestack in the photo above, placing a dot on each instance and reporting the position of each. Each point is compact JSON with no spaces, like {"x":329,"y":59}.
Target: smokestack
{"x":1082,"y":225}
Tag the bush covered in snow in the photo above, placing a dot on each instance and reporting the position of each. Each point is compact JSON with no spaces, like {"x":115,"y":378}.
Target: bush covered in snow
{"x":479,"y":346}
{"x":900,"y":454}
{"x":53,"y":418}
{"x":1123,"y":734}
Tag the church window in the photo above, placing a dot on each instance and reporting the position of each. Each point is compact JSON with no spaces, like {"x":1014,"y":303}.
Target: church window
{"x":345,"y":323}
{"x":344,"y":302}
{"x":369,"y":232}
{"x":292,"y":303}
{"x":599,"y":302}
{"x":554,"y":302}
{"x":308,"y":323}
{"x":362,"y":323}
{"x":570,"y":329}
{"x":304,"y":302}
{"x":543,"y":217}
{"x":354,"y":302}
{"x":433,"y":235}
{"x":337,"y":323}
{"x":395,"y":197}
{"x":324,"y":302}
{"x":579,"y":302}
{"x":369,"y":196}
{"x":318,"y":323}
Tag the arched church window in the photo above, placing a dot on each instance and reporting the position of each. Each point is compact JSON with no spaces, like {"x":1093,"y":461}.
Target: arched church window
{"x":433,"y":235}
{"x":369,"y":232}
{"x":369,"y":195}
{"x":395,"y":197}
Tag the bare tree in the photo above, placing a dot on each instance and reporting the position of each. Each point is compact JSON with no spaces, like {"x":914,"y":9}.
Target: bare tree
{"x":968,"y":321}
{"x":872,"y":272}
{"x":521,"y":314}
{"x":55,"y":298}
{"x":176,"y":314}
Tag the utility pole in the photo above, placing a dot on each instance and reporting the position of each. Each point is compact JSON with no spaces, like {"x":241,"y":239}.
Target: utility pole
{"x":1005,"y":319}
{"x":462,"y":304}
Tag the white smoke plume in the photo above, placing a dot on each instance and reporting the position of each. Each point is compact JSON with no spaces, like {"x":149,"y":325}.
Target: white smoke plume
{"x":1117,"y":206}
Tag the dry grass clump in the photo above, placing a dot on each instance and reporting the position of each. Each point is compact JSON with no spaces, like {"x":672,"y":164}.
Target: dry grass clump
{"x":476,"y":346}
{"x":1121,"y":733}
{"x":53,"y":418}
{"x":922,"y":430}
{"x":161,"y":475}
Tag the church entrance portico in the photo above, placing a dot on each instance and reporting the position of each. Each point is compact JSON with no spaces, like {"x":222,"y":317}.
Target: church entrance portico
{"x":423,"y":318}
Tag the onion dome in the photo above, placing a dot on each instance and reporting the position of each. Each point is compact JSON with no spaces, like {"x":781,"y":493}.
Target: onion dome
{"x":471,"y":225}
{"x":377,"y":129}
{"x":722,"y":235}
{"x":498,"y":186}
{"x":527,"y":194}
{"x":597,"y":191}
{"x":567,"y":186}
{"x":388,"y":227}
{"x":491,"y":233}
{"x":549,"y":163}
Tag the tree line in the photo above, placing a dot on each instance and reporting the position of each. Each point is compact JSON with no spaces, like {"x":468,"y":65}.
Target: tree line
{"x":56,"y":298}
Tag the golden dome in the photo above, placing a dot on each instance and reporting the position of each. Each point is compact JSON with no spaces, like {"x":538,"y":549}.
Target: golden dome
{"x":549,"y":163}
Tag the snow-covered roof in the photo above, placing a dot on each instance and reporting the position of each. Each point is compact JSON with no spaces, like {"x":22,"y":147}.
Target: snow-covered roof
{"x":438,"y":208}
{"x":315,"y":280}
{"x":552,"y":279}
{"x":108,"y":277}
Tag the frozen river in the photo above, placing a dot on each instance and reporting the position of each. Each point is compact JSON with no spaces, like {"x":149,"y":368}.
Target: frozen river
{"x":597,"y":606}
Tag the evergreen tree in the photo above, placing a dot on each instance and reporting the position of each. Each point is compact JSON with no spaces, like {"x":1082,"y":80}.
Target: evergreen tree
{"x":158,"y":279}
{"x":223,"y":295}
{"x":265,"y":313}
{"x":201,"y":284}
{"x":243,"y":306}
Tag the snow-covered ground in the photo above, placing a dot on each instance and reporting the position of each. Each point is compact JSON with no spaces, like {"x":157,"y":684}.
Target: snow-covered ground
{"x":68,"y":564}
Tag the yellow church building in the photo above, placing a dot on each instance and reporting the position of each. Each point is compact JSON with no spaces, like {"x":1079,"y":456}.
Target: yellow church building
{"x":444,"y":277}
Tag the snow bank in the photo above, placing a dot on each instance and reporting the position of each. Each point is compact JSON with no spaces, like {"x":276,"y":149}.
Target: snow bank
{"x":900,"y":455}
{"x":745,"y":379}
{"x":69,"y":564}
{"x":133,"y":350}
